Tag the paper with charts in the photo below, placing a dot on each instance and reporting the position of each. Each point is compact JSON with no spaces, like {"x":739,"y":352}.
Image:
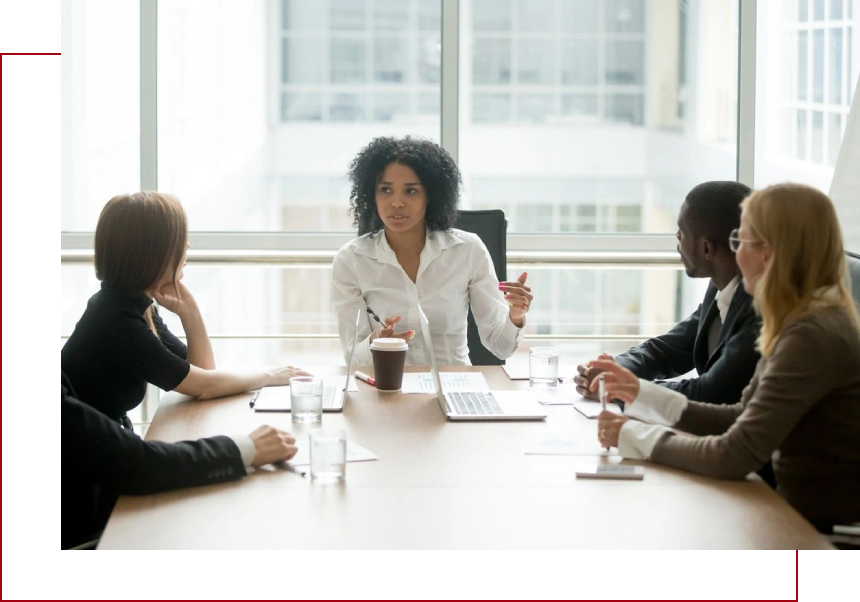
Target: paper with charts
{"x":422,"y":382}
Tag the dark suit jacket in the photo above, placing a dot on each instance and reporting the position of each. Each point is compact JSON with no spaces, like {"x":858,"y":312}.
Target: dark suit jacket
{"x":101,"y":460}
{"x":723,"y":374}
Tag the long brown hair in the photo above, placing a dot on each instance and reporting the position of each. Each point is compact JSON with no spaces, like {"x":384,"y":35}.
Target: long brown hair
{"x":140,"y":236}
{"x":799,"y":224}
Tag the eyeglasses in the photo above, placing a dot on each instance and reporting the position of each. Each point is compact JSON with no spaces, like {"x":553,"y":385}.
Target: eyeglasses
{"x":735,"y":241}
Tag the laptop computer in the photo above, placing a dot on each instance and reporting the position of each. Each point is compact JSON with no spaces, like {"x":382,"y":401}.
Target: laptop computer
{"x":277,"y":399}
{"x":476,"y":405}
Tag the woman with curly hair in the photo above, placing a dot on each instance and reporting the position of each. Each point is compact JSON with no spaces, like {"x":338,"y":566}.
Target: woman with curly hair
{"x":405,"y":194}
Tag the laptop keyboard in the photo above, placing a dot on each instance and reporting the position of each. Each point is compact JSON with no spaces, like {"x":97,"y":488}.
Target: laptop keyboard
{"x":473,"y":404}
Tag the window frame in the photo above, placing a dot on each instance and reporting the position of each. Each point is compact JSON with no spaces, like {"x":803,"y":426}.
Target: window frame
{"x":622,"y":250}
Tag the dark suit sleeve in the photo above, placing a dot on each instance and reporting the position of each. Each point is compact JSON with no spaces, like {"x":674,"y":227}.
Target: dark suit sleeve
{"x":725,"y":379}
{"x":107,"y":455}
{"x":666,"y":356}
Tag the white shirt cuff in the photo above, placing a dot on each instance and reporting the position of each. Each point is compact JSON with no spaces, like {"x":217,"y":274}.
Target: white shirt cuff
{"x":514,"y":332}
{"x":636,"y":440}
{"x":656,"y":404}
{"x":246,"y":448}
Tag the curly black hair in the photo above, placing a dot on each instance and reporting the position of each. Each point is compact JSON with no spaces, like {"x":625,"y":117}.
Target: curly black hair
{"x":433,"y":165}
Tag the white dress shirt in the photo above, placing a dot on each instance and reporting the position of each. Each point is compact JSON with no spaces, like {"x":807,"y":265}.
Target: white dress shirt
{"x":455,"y":271}
{"x":246,"y":449}
{"x":724,"y":300}
{"x":725,"y":296}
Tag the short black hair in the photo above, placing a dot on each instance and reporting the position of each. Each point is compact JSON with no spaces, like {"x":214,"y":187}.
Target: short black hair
{"x":433,"y":165}
{"x":714,"y":210}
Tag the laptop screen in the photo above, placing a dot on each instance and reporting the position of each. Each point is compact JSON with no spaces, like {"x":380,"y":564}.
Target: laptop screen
{"x":352,"y":353}
{"x":434,"y":369}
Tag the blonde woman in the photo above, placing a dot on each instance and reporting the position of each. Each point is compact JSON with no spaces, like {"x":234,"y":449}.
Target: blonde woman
{"x":802,"y":407}
{"x":120,"y":343}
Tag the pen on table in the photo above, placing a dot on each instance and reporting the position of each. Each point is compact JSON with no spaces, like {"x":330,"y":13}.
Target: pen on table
{"x":254,"y":398}
{"x":368,"y":379}
{"x":290,"y":468}
{"x":601,"y":393}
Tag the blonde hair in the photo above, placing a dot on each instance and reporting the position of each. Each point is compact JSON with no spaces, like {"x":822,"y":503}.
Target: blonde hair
{"x":139,"y":236}
{"x":800,"y":226}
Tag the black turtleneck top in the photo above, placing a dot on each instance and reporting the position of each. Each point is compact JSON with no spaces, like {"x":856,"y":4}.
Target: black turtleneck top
{"x":112,"y":353}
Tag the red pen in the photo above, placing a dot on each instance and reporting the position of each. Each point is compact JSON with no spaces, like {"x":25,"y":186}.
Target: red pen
{"x":368,"y":379}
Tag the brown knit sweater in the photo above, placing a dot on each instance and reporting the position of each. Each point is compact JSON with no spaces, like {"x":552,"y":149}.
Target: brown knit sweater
{"x":802,"y":409}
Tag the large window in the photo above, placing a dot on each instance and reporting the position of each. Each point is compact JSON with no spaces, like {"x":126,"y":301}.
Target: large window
{"x":356,"y":62}
{"x":807,"y":73}
{"x":809,"y":85}
{"x":263,"y":103}
{"x":100,"y":126}
{"x":101,"y":107}
{"x":551,"y":60}
{"x":587,"y":116}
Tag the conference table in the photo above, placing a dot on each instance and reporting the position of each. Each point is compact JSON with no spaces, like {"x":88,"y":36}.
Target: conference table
{"x":442,"y":484}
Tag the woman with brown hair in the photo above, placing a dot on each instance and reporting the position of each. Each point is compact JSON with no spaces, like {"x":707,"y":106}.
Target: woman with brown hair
{"x":802,"y":407}
{"x":120,"y":343}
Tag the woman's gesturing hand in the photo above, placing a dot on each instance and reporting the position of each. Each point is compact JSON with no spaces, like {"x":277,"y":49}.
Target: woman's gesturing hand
{"x":519,"y":298}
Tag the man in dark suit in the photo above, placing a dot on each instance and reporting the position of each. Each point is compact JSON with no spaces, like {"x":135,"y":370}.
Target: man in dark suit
{"x":718,"y":339}
{"x":101,"y":460}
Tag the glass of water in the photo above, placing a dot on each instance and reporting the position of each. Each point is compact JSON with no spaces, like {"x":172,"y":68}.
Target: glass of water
{"x":543,"y":367}
{"x":306,"y":398}
{"x":328,"y":456}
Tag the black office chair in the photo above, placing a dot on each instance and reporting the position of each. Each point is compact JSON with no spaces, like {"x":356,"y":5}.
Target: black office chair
{"x":847,"y":537}
{"x":492,"y":228}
